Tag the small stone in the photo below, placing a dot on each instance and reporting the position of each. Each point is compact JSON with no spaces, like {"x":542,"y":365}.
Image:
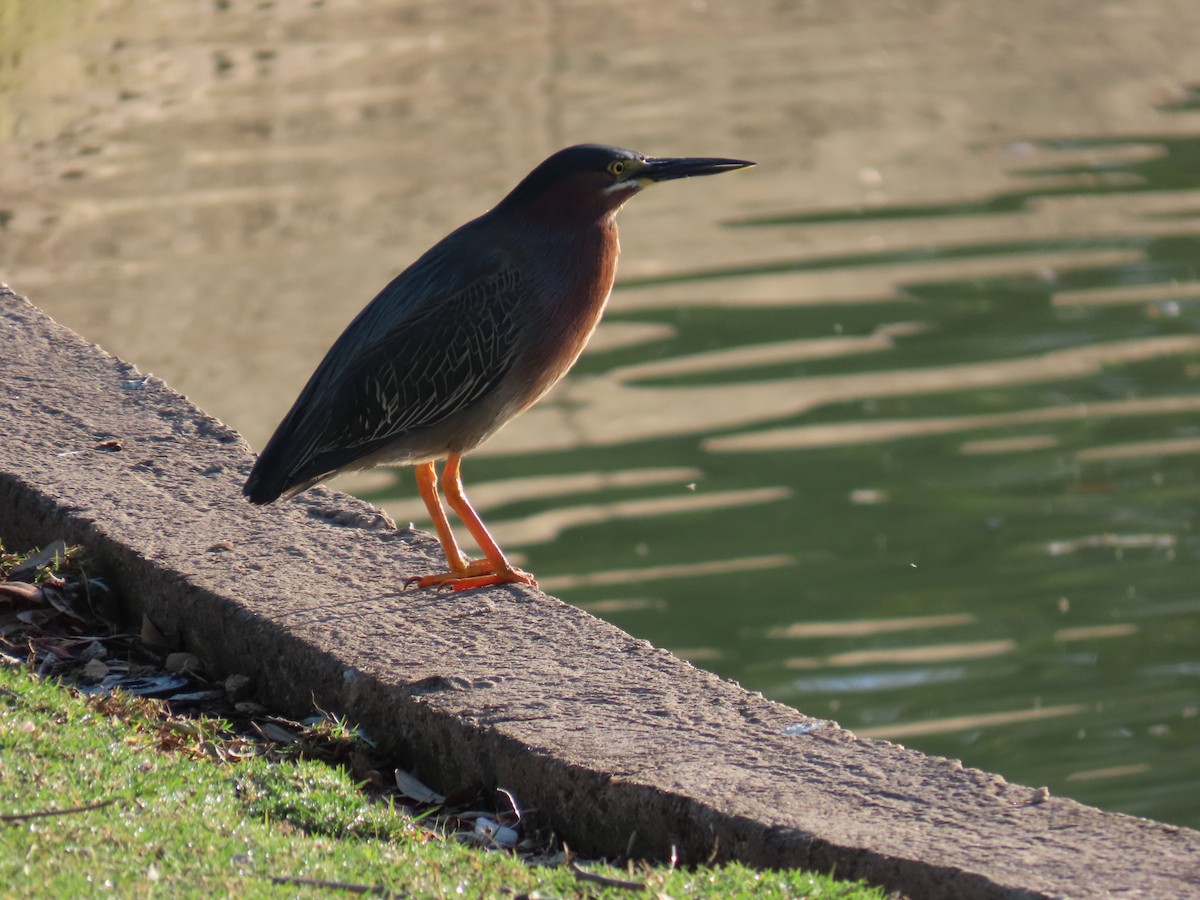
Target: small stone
{"x":182,"y":662}
{"x":238,"y":687}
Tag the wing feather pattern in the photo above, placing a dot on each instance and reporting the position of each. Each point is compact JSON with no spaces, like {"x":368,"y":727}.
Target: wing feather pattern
{"x":435,"y":341}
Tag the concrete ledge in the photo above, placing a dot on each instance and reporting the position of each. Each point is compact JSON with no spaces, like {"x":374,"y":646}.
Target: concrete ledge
{"x":617,"y":743}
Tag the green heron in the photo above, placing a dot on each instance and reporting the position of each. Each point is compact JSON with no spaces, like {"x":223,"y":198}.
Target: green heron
{"x":468,"y":336}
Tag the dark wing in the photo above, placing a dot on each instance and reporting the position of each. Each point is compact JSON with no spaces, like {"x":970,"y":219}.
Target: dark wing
{"x":435,"y":341}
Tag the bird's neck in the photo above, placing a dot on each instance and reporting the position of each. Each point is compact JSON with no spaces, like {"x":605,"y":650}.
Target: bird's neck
{"x":575,"y":267}
{"x":583,"y":260}
{"x":574,"y":255}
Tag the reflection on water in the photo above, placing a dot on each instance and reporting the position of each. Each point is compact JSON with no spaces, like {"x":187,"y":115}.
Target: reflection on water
{"x":910,"y":444}
{"x":1009,"y":445}
{"x":970,"y":723}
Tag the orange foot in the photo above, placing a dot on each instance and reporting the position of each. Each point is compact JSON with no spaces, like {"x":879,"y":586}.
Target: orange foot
{"x":476,"y":574}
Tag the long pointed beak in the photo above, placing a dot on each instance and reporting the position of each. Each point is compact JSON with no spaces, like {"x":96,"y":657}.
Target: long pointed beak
{"x":668,"y":168}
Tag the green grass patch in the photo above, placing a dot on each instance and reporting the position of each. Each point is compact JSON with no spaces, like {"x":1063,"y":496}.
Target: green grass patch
{"x":108,"y":794}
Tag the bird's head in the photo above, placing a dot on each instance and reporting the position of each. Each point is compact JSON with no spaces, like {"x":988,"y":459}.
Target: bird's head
{"x":595,"y":178}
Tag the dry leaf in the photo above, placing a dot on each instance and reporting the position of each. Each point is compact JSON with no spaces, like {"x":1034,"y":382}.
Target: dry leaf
{"x":273,"y":732}
{"x":21,"y":591}
{"x":413,"y":789}
{"x":94,"y":650}
{"x":151,"y":635}
{"x":59,"y":601}
{"x":36,"y":617}
{"x":43,"y":557}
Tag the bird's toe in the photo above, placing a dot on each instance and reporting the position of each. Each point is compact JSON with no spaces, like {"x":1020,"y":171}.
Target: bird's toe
{"x":474,"y":577}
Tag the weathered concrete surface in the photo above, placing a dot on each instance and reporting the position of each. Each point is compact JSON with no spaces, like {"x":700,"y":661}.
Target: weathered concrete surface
{"x":617,"y":743}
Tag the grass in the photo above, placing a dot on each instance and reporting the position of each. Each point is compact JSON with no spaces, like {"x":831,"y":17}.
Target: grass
{"x":109,"y":794}
{"x":102,"y":796}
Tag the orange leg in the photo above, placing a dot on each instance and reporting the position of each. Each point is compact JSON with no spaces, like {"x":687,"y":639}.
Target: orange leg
{"x":464,"y":574}
{"x":427,"y":488}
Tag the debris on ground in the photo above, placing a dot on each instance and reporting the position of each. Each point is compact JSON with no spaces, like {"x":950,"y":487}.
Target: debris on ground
{"x":58,"y":620}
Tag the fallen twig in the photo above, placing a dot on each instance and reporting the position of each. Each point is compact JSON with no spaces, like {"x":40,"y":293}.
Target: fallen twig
{"x":47,"y":813}
{"x":349,"y":887}
{"x":593,"y":878}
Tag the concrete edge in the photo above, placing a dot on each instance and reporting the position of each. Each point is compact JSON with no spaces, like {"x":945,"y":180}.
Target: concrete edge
{"x":607,"y":735}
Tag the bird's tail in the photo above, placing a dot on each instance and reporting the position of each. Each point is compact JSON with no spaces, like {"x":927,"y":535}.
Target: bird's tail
{"x":266,"y":482}
{"x":278,"y":473}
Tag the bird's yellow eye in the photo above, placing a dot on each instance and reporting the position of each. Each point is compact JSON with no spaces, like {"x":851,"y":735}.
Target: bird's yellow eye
{"x":616,"y":167}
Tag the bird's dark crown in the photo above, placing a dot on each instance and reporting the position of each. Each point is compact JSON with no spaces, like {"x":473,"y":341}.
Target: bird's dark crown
{"x":561,"y":166}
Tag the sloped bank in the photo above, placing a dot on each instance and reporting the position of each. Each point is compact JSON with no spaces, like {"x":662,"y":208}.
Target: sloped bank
{"x":620,"y":746}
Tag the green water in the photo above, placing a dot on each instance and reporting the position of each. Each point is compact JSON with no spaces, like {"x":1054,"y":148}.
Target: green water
{"x":1002,"y":571}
